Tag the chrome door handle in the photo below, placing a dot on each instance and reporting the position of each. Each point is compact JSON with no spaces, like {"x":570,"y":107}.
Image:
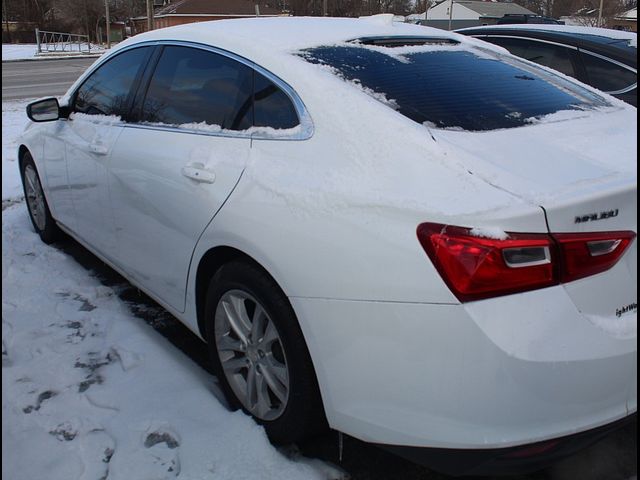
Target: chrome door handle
{"x":198,"y":173}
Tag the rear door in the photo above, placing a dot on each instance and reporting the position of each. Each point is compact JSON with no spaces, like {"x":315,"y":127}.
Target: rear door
{"x":175,"y":165}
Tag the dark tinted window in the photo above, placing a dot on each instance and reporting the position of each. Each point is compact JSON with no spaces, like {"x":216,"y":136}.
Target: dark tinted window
{"x":456,"y":88}
{"x":107,"y":89}
{"x":552,"y":56}
{"x":272,"y":107}
{"x":605,"y":75}
{"x":190,"y":85}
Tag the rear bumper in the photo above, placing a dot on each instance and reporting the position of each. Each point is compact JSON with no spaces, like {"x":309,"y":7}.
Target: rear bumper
{"x":494,"y":374}
{"x":506,"y":461}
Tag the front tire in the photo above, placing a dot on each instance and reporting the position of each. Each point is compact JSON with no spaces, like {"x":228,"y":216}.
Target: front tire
{"x":259,"y":354}
{"x":39,"y":212}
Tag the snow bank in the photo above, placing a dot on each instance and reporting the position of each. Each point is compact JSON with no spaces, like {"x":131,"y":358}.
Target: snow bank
{"x":18,"y":52}
{"x":29,"y":51}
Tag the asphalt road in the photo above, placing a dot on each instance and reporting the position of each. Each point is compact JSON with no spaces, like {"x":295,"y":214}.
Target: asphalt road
{"x":41,"y":78}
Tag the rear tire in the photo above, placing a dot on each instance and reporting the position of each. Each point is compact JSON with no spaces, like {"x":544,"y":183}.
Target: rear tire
{"x":259,"y":354}
{"x":37,"y":205}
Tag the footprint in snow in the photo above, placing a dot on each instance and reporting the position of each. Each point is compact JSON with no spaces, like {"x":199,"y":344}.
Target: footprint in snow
{"x":97,"y":448}
{"x":92,"y":365}
{"x":163,"y":445}
{"x":42,"y":397}
{"x":7,"y":329}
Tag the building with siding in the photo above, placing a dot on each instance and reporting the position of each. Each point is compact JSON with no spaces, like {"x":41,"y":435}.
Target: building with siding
{"x":179,"y":12}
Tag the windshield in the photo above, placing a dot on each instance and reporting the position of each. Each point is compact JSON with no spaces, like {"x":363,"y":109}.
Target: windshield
{"x":455,"y":87}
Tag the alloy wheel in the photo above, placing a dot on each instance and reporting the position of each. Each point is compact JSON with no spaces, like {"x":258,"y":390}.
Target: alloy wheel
{"x":35,"y":197}
{"x":251,"y":355}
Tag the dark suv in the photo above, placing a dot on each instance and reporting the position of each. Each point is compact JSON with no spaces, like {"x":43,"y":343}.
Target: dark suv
{"x":605,"y":59}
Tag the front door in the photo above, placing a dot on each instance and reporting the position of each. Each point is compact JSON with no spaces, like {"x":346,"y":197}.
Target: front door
{"x":99,"y":108}
{"x":172,"y":170}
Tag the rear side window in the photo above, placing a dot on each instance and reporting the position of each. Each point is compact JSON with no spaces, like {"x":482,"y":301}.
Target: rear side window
{"x":456,"y":88}
{"x":272,"y":107}
{"x":552,"y":56}
{"x":106,"y":91}
{"x":605,"y":75}
{"x":191,"y":86}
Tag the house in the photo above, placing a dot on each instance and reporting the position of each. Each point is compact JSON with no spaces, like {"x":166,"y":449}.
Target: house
{"x":470,"y":13}
{"x":588,"y":17}
{"x":178,"y":12}
{"x":625,"y":21}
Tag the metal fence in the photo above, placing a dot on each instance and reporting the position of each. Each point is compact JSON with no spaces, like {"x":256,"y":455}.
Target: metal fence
{"x":51,"y":42}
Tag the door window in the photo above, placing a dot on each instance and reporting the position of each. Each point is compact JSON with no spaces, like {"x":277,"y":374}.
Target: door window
{"x":107,"y":90}
{"x":193,"y":86}
{"x":552,"y":56}
{"x":607,"y":76}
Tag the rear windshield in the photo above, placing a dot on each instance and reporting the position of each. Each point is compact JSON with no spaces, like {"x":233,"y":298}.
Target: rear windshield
{"x":455,"y":88}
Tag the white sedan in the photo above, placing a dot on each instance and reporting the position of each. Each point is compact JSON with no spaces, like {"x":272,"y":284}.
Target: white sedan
{"x":400,"y":233}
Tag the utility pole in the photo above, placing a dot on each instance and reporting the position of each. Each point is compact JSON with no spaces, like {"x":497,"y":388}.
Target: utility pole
{"x":324,"y":8}
{"x":600,"y":14}
{"x":108,"y":22}
{"x":450,"y":14}
{"x":150,"y":22}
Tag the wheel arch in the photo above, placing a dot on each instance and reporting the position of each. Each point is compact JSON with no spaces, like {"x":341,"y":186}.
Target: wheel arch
{"x":210,"y":262}
{"x":22,"y":149}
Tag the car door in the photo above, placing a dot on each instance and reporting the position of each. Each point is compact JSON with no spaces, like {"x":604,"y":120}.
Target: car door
{"x":98,"y":111}
{"x":173,"y":168}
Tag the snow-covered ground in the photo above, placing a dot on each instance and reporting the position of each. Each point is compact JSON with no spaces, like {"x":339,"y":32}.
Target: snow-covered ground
{"x":18,"y":52}
{"x":28,"y":51}
{"x":91,"y":392}
{"x":14,"y":120}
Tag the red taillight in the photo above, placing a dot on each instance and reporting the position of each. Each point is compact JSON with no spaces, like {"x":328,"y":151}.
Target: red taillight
{"x":586,"y":254}
{"x":475,"y":267}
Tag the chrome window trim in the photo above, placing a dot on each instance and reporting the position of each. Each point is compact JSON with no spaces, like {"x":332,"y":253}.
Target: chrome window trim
{"x":487,"y":35}
{"x":304,"y":130}
{"x":615,"y":62}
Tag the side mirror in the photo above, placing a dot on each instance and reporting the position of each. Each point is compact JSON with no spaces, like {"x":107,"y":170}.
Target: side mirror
{"x":44,"y":110}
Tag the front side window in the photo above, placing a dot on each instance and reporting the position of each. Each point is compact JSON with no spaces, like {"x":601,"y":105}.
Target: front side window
{"x":456,"y":88}
{"x":607,"y":76}
{"x":194,"y":86}
{"x":106,"y":91}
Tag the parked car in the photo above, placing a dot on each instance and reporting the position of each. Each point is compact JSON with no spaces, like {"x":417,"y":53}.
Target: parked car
{"x":512,"y":18}
{"x":401,"y":233}
{"x":604,"y":58}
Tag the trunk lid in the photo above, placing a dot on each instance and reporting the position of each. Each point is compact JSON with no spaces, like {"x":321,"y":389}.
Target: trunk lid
{"x":582,"y":172}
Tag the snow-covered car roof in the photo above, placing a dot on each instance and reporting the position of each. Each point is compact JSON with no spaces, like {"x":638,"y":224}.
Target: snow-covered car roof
{"x":258,"y":37}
